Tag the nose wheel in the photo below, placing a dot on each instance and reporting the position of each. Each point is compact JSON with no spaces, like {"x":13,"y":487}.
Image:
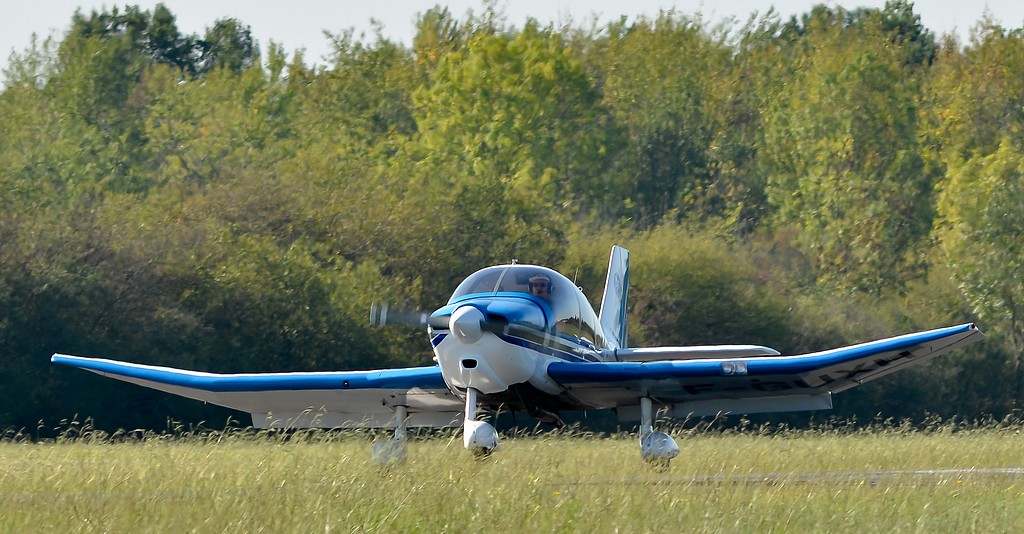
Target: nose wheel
{"x":478,"y":437}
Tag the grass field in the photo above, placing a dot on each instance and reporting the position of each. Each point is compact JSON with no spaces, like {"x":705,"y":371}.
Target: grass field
{"x":749,"y":481}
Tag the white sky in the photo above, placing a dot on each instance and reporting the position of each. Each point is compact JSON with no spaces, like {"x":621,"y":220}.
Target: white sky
{"x":301,"y":23}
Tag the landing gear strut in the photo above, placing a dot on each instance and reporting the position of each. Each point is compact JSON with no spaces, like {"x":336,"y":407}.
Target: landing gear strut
{"x":657,"y":448}
{"x":478,"y":437}
{"x":394,"y":450}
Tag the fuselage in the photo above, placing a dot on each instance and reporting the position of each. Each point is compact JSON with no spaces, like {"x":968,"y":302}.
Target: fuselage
{"x":503,"y":332}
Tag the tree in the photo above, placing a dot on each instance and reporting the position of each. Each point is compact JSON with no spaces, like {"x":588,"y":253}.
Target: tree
{"x":657,"y":77}
{"x":512,"y":142}
{"x":977,"y":118}
{"x":228,"y":45}
{"x":437,"y":34}
{"x":842,"y":144}
{"x":690,"y":290}
{"x":520,"y":110}
{"x":982,"y":204}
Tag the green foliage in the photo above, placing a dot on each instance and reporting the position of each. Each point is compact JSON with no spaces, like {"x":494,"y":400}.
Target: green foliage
{"x":518,"y":113}
{"x":658,"y":78}
{"x":976,"y":123}
{"x":227,"y":45}
{"x":983,"y":206}
{"x":692,"y":290}
{"x":841,"y":138}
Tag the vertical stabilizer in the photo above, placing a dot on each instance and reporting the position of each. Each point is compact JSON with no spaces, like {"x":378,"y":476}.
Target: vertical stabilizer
{"x":613,"y":303}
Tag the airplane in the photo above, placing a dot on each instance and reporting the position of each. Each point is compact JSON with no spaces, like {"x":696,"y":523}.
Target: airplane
{"x":523,"y":337}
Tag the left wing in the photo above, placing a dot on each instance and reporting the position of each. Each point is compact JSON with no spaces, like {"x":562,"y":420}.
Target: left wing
{"x":709,"y":386}
{"x":342,"y":399}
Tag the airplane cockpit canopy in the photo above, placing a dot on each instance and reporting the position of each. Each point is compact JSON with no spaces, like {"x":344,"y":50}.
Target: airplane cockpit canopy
{"x":515,"y":279}
{"x":571,"y":312}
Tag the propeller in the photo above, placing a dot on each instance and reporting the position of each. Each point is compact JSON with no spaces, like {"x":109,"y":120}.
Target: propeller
{"x":467,"y":322}
{"x":382,"y":314}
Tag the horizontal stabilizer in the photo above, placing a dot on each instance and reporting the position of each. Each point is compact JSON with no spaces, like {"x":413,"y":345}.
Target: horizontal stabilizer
{"x":652,"y":354}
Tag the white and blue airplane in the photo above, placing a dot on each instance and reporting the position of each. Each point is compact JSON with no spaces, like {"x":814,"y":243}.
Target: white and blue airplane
{"x":525,"y":338}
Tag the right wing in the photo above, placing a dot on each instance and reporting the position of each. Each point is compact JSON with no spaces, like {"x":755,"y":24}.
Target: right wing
{"x":340,"y":399}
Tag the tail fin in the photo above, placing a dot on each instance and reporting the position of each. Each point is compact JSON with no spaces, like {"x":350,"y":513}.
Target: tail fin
{"x":613,"y":303}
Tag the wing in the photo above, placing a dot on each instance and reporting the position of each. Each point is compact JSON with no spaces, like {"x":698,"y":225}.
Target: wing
{"x":708,"y":386}
{"x":343,"y":399}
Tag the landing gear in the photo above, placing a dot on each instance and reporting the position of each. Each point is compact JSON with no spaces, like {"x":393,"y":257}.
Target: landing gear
{"x":478,"y":437}
{"x":657,"y":448}
{"x":394,"y":450}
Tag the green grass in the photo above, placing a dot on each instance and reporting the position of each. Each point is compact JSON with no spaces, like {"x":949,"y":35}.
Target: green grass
{"x":318,"y":482}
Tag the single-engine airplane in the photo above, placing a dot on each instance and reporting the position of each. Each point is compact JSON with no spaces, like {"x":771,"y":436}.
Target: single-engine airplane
{"x":525,"y":338}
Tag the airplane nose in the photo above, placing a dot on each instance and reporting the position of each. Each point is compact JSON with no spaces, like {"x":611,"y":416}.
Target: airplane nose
{"x":465,"y":324}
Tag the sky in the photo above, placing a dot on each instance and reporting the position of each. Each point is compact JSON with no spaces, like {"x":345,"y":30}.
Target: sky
{"x":300,"y":24}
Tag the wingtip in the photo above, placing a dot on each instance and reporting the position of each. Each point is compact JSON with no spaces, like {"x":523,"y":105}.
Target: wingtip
{"x":64,"y":359}
{"x":977,"y":331}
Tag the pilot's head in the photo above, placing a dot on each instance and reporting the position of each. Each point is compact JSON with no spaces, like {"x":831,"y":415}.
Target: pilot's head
{"x":540,"y":286}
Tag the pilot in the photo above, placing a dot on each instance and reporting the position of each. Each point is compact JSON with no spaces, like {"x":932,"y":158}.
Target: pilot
{"x":540,"y":286}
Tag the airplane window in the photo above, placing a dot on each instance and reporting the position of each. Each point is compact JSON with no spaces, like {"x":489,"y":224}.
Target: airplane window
{"x":571,"y":313}
{"x":560,"y":295}
{"x":483,"y":281}
{"x":565,"y":307}
{"x":589,"y":327}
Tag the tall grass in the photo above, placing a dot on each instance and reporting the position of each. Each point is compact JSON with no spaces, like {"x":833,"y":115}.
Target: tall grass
{"x":751,"y":480}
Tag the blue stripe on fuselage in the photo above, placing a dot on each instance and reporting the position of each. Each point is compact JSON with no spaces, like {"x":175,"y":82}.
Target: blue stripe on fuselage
{"x":526,"y":344}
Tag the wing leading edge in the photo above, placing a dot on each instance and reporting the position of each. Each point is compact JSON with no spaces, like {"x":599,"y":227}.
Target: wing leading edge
{"x":707,"y":386}
{"x":341,"y":399}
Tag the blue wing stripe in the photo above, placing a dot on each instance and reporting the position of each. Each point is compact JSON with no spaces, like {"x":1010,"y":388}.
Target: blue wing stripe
{"x":566,"y":372}
{"x":407,"y":378}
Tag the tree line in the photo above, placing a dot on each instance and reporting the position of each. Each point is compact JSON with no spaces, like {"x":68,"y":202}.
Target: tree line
{"x":204,"y":203}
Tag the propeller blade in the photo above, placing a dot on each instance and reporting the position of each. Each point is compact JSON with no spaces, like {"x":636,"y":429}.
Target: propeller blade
{"x":382,"y":314}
